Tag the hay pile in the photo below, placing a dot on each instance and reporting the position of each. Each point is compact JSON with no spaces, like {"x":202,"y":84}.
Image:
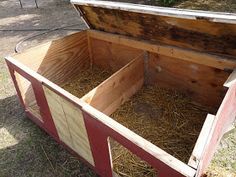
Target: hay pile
{"x":164,"y":117}
{"x":86,"y":80}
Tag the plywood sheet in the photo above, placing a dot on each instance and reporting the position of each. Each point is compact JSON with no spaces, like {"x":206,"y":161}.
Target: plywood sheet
{"x":110,"y":55}
{"x":69,"y":123}
{"x":59,"y":59}
{"x":203,"y":84}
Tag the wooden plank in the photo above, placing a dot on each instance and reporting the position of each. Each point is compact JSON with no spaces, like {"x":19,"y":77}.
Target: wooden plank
{"x":201,"y":142}
{"x":112,"y":56}
{"x":69,"y":123}
{"x":219,"y":62}
{"x":214,"y":33}
{"x":223,"y":120}
{"x":65,"y":57}
{"x":203,"y":84}
{"x":117,"y":89}
{"x":231,"y":79}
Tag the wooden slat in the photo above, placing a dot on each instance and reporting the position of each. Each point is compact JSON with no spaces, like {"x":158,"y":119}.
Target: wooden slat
{"x":223,"y":120}
{"x":203,"y":84}
{"x":231,"y":79}
{"x":219,"y":62}
{"x":198,"y":150}
{"x":58,"y":60}
{"x":117,"y":89}
{"x":69,"y":123}
{"x":215,"y":33}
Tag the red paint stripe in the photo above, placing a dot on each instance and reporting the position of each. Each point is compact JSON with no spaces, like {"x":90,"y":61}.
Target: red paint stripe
{"x":224,"y":117}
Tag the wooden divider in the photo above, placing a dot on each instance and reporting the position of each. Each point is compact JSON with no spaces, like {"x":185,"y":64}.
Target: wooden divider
{"x":114,"y":91}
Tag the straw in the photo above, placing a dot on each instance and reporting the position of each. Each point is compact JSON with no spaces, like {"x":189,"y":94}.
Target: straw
{"x":164,"y":117}
{"x":86,"y":80}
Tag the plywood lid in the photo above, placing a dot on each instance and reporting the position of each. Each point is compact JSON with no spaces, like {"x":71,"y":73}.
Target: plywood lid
{"x":199,"y":30}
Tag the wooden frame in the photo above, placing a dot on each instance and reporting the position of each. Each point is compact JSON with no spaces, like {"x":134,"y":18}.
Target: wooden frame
{"x":83,"y":125}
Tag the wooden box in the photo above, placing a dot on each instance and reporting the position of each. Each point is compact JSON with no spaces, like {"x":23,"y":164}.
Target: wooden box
{"x":192,"y":52}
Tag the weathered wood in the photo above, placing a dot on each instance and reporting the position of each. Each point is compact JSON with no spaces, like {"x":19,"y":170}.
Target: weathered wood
{"x":231,"y":79}
{"x":112,"y":56}
{"x":198,"y":150}
{"x":117,"y":89}
{"x":70,"y":126}
{"x":224,"y":118}
{"x":155,"y":10}
{"x":201,"y":83}
{"x":215,"y":33}
{"x":65,"y":57}
{"x":219,"y":62}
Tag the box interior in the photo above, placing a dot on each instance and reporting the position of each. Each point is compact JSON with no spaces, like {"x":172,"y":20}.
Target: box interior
{"x":126,"y":73}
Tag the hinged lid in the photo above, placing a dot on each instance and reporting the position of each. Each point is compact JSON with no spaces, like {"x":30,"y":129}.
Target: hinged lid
{"x":203,"y":31}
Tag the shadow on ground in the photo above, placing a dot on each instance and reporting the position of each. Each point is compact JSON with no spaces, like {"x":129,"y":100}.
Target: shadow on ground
{"x":28,"y":151}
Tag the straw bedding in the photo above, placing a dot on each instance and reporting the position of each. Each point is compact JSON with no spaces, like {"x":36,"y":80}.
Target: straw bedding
{"x":164,"y":117}
{"x":86,"y":80}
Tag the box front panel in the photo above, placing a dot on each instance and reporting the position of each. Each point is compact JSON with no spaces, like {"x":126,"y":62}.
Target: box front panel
{"x":69,"y":123}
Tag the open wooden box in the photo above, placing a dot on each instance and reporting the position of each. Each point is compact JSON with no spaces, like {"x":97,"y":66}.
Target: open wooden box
{"x":192,"y":52}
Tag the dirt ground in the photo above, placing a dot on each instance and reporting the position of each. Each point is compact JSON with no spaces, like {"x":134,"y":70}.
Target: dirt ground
{"x":25,"y":150}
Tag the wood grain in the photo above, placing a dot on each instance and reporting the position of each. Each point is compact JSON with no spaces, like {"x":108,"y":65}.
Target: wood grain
{"x":69,"y":123}
{"x":28,"y":96}
{"x":117,"y":89}
{"x":60,"y":59}
{"x":224,"y":118}
{"x":199,"y":147}
{"x":203,"y":84}
{"x":216,"y":61}
{"x":200,"y":33}
{"x":112,"y":56}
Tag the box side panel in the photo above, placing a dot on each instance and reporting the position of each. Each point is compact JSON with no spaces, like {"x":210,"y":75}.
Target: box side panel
{"x":203,"y":58}
{"x":203,"y":84}
{"x":30,"y":92}
{"x":111,"y":55}
{"x":69,"y":123}
{"x":224,"y":118}
{"x":60,"y":59}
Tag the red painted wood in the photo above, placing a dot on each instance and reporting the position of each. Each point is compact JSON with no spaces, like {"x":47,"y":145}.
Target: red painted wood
{"x":224,"y":118}
{"x":11,"y":70}
{"x":41,"y":125}
{"x":39,"y":95}
{"x":98,"y":134}
{"x":44,"y":108}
